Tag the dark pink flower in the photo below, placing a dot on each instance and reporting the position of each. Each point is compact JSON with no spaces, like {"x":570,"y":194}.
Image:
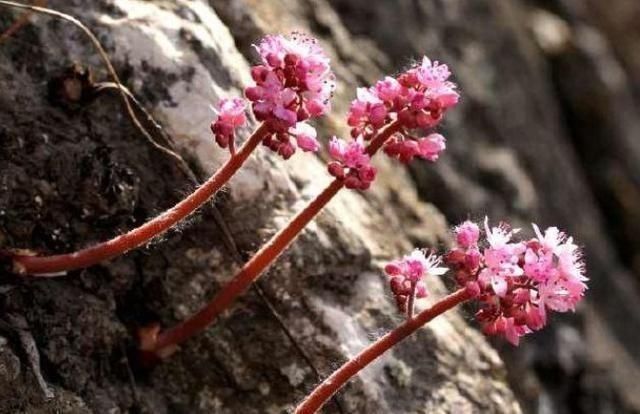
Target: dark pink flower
{"x":230,"y":116}
{"x":467,"y":234}
{"x":352,"y":164}
{"x":417,"y":99}
{"x":405,"y":150}
{"x":388,"y":89}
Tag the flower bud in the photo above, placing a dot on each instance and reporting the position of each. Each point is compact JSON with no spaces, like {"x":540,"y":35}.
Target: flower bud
{"x":393,"y":269}
{"x":472,"y":259}
{"x":421,"y":290}
{"x":467,"y":234}
{"x":473,"y":289}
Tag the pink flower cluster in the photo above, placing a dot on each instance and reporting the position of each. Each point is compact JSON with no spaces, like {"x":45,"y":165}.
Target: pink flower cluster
{"x":304,"y":134}
{"x":417,"y":99}
{"x":352,"y":164}
{"x":406,"y":276}
{"x":293,"y":84}
{"x":405,"y":150}
{"x":230,"y":116}
{"x":517,"y":282}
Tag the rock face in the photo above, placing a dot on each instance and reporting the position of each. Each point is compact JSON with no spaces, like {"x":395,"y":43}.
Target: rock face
{"x":75,"y":174}
{"x":543,"y":90}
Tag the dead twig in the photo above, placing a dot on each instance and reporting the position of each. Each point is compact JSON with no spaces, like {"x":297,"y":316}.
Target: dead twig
{"x":22,"y":20}
{"x":132,"y":378}
{"x":106,"y":86}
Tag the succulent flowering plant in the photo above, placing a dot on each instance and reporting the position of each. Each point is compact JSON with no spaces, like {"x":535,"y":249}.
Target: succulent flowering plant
{"x":514,"y":283}
{"x":415,"y":101}
{"x":406,"y":277}
{"x":517,"y":283}
{"x":293,"y":84}
{"x":418,"y":98}
{"x":230,"y":116}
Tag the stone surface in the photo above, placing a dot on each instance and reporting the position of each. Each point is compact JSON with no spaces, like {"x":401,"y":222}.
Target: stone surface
{"x":77,"y":173}
{"x":547,"y":132}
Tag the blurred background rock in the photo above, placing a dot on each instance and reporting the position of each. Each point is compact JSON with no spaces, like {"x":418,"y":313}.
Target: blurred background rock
{"x":548,"y":131}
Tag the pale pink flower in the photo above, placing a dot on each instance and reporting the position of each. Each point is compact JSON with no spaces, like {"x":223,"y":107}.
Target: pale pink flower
{"x":407,"y":275}
{"x":516,"y":283}
{"x":434,"y":76}
{"x":272,"y":50}
{"x":354,"y":155}
{"x":367,"y":113}
{"x":305,"y":136}
{"x":431,"y":146}
{"x":501,"y":258}
{"x":431,"y":74}
{"x":561,"y":295}
{"x":551,"y":238}
{"x":539,"y":265}
{"x":556,"y":262}
{"x":231,"y":111}
{"x":368,"y":96}
{"x":445,"y":95}
{"x":275,"y":49}
{"x":417,"y":264}
{"x":351,"y":154}
{"x":500,"y":236}
{"x":337,"y":148}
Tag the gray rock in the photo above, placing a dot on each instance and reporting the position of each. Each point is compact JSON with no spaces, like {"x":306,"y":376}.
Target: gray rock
{"x":77,"y":173}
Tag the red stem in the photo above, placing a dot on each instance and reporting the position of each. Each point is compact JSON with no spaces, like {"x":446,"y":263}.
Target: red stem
{"x":321,"y":394}
{"x":167,"y":340}
{"x":412,"y":300}
{"x":56,"y":265}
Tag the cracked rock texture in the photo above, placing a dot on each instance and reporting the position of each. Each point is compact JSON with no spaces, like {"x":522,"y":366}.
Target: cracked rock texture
{"x":546,"y":132}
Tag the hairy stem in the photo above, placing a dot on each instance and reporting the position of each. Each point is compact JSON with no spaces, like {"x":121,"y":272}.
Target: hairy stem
{"x":167,"y":340}
{"x":232,"y":247}
{"x":321,"y":394}
{"x":56,"y":264}
{"x":21,"y":21}
{"x":249,"y":272}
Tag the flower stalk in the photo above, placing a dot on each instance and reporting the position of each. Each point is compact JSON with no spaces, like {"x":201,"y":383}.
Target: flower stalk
{"x":323,"y":392}
{"x":412,"y":300}
{"x":165,"y":342}
{"x":57,"y":265}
